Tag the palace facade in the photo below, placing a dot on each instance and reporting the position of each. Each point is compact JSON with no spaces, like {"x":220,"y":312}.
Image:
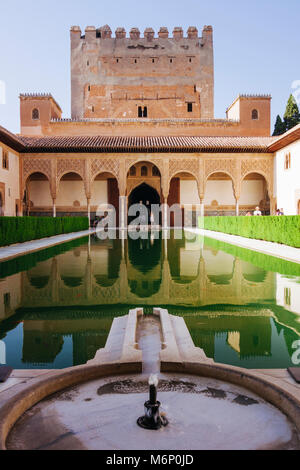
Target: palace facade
{"x":143,"y":129}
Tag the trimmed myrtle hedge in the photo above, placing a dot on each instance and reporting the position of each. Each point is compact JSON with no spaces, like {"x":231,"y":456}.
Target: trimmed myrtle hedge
{"x":283,"y":229}
{"x":23,"y":229}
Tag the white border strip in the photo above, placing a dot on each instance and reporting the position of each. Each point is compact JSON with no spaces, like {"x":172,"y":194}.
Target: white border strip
{"x":19,"y":249}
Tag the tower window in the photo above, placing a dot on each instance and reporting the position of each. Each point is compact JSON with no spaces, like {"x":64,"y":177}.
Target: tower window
{"x":254,"y":114}
{"x":142,"y":112}
{"x":89,"y":88}
{"x":190,"y":107}
{"x":35,"y":114}
{"x":144,"y":171}
{"x":195,"y":89}
{"x":93,"y":109}
{"x":88,"y":63}
{"x":171,"y":61}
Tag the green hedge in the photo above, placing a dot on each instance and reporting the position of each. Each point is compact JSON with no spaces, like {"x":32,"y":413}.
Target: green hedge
{"x":23,"y":229}
{"x":283,"y":229}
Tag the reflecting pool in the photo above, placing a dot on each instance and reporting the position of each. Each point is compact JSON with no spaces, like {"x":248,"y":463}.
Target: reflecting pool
{"x":57,"y":305}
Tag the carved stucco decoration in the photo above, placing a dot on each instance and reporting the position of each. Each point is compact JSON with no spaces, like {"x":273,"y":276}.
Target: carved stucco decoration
{"x":36,"y":165}
{"x":105,"y":165}
{"x":70,"y":165}
{"x":220,"y":166}
{"x":187,"y":165}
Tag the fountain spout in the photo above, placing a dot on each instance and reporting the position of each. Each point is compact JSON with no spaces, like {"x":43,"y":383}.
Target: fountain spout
{"x":152,"y":418}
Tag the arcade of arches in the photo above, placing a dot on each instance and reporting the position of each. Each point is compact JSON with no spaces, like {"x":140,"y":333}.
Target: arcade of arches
{"x":212,"y":185}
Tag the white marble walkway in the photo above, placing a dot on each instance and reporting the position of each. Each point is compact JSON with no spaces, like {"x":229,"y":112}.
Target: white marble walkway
{"x":12,"y":251}
{"x":269,"y":248}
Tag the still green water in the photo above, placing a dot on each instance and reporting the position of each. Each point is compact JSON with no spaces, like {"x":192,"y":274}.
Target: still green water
{"x":57,"y":305}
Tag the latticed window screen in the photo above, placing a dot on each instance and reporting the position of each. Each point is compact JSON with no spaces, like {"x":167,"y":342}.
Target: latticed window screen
{"x":35,"y":114}
{"x":254,"y":114}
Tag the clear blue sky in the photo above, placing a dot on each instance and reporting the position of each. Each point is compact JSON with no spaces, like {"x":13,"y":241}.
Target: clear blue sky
{"x":257,"y":44}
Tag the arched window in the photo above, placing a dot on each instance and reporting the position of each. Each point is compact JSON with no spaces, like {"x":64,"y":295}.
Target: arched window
{"x":155,"y":171}
{"x":144,"y":171}
{"x":35,"y":114}
{"x":133,"y":171}
{"x":254,"y":114}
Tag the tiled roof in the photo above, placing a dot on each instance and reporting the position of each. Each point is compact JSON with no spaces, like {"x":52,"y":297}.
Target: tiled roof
{"x":11,"y":140}
{"x":285,"y":139}
{"x":107,"y":144}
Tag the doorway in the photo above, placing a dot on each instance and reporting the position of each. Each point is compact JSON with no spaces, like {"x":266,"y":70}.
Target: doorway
{"x":146,"y":195}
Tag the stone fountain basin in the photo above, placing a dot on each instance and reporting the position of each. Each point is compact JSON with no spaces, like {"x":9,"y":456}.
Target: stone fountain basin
{"x":203,"y":413}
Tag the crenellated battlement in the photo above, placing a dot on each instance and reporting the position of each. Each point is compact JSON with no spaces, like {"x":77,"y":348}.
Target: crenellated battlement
{"x":105,"y":32}
{"x":39,"y":96}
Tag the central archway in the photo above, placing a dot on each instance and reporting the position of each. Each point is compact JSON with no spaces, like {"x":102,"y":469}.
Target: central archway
{"x":143,"y":194}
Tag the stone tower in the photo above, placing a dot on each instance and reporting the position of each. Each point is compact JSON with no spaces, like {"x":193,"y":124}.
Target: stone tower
{"x":142,"y":77}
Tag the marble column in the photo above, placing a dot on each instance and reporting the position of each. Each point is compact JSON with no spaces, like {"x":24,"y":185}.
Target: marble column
{"x":237,"y":207}
{"x":89,"y":210}
{"x":54,"y":207}
{"x":123,"y":212}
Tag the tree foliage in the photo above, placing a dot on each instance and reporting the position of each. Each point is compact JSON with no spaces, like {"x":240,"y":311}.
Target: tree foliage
{"x":279,"y":126}
{"x":291,"y":117}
